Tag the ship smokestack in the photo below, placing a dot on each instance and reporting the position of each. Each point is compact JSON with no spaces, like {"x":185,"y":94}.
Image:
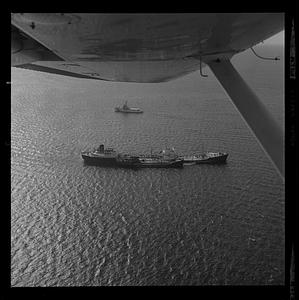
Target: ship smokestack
{"x":101,"y":148}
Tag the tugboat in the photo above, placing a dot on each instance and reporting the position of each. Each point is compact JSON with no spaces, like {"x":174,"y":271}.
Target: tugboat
{"x":206,"y":158}
{"x":100,"y":156}
{"x":126,"y":109}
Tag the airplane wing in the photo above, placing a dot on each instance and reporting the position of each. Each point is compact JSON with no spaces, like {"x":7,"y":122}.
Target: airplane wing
{"x":151,"y":48}
{"x":133,"y":47}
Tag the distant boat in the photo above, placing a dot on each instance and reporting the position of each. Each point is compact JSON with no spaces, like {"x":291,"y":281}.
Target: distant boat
{"x":126,"y":109}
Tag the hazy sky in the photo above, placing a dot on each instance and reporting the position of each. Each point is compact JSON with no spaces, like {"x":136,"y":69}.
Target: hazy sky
{"x":276,"y":39}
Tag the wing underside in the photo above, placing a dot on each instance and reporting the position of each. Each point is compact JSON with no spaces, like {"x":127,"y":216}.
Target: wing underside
{"x":133,"y":47}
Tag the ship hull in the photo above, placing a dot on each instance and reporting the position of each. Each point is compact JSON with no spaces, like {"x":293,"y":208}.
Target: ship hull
{"x":129,"y":111}
{"x":209,"y":160}
{"x":113,"y":162}
{"x":176,"y":164}
{"x":214,"y":160}
{"x":111,"y":158}
{"x":99,"y":161}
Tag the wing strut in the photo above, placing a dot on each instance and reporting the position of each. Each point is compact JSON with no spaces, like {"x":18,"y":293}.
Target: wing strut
{"x":255,"y":114}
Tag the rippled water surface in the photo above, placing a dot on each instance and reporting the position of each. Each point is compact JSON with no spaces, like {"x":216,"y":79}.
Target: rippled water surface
{"x":75,"y":225}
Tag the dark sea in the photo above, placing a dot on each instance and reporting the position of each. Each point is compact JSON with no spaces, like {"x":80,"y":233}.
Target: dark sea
{"x":78,"y":225}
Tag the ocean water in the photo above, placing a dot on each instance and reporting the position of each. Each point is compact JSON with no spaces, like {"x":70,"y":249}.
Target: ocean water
{"x":78,"y":225}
